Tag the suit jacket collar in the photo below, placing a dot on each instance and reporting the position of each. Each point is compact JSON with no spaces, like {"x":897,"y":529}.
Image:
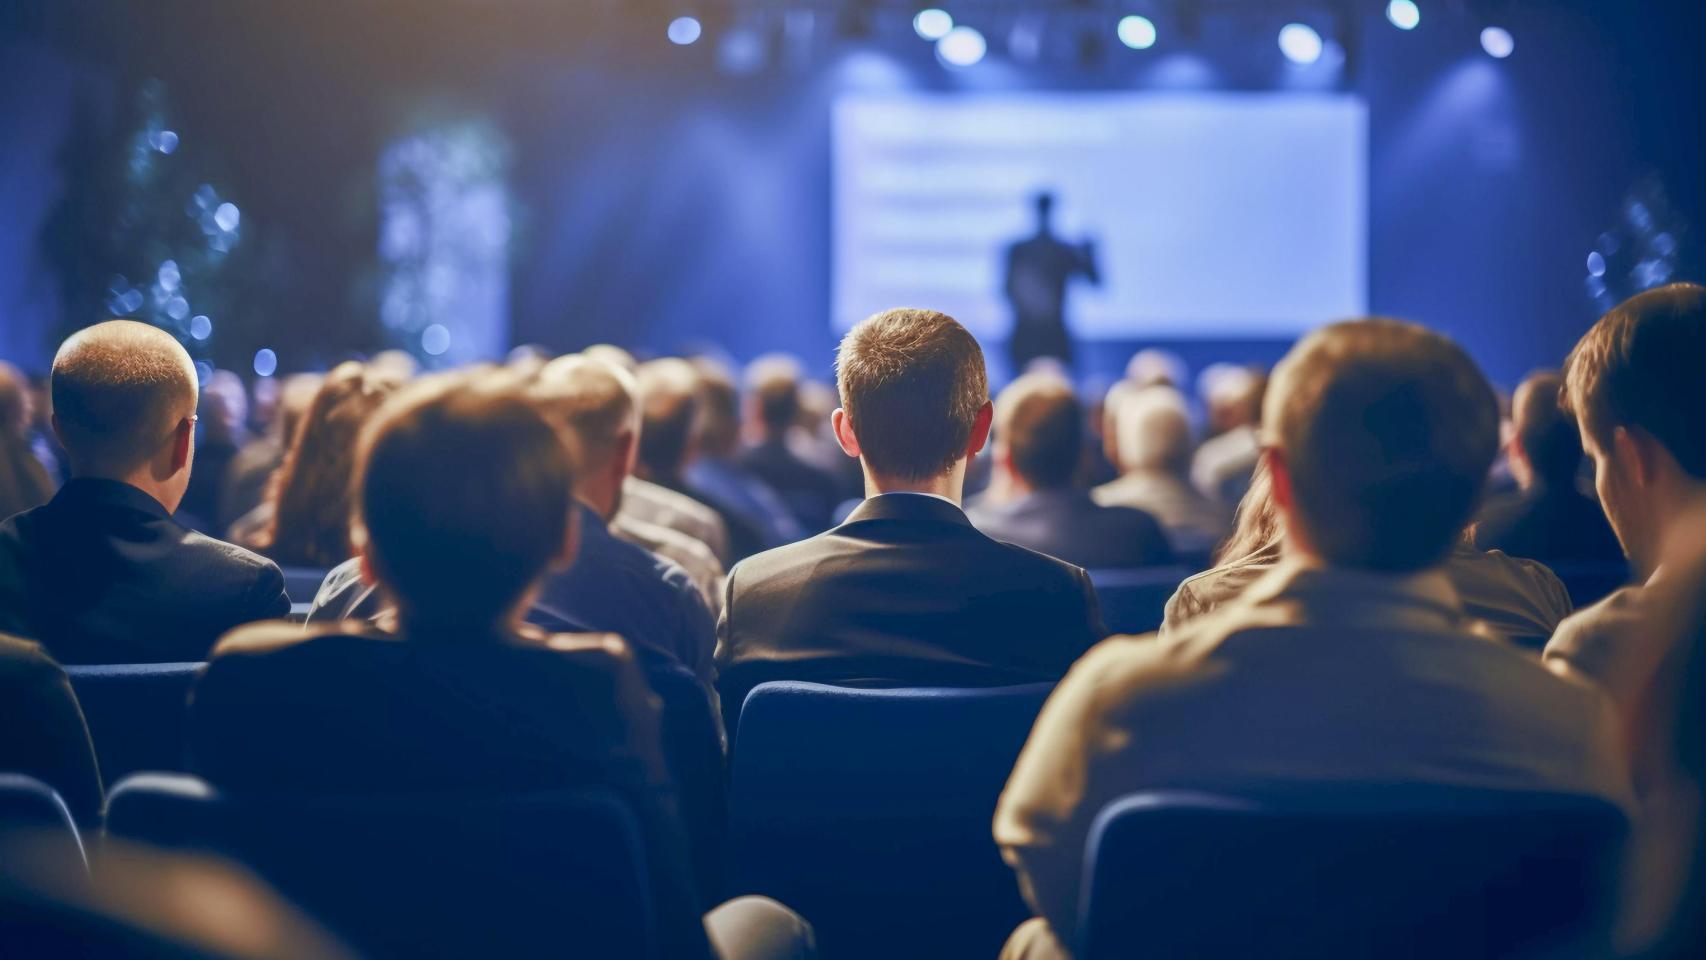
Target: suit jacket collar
{"x":83,"y":492}
{"x":1337,"y":594}
{"x":909,"y":506}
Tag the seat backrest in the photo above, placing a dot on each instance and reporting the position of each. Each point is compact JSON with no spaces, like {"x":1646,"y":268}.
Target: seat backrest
{"x":136,"y":713}
{"x":693,"y":748}
{"x":869,"y":810}
{"x":1133,"y":601}
{"x":1368,"y":871}
{"x":560,"y":873}
{"x":33,"y":810}
{"x":302,"y":583}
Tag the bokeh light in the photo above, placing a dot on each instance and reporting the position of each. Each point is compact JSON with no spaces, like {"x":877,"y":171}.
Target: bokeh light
{"x":1498,"y":42}
{"x":684,"y":30}
{"x":266,"y":362}
{"x":1404,"y":14}
{"x":1136,"y":32}
{"x":932,"y":23}
{"x":961,"y":47}
{"x":1300,"y":43}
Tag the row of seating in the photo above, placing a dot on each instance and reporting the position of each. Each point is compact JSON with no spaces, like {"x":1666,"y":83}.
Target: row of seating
{"x":1394,"y":871}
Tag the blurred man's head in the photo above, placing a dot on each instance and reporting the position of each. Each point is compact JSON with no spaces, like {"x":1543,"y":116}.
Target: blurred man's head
{"x":719,"y":409}
{"x":1635,"y":384}
{"x":463,"y":502}
{"x":594,"y":402}
{"x":1233,"y":396}
{"x":1154,"y":432}
{"x":773,"y":384}
{"x":914,"y":395}
{"x":1380,"y":435}
{"x":1039,"y":431}
{"x":1043,"y":204}
{"x":124,"y":401}
{"x":668,"y":391}
{"x":1545,"y":447}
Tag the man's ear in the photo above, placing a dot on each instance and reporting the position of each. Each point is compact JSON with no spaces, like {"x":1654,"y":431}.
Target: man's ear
{"x":365,"y":551}
{"x":980,"y":429}
{"x":627,"y":450}
{"x":843,"y":427}
{"x":182,"y":439}
{"x":1634,"y":449}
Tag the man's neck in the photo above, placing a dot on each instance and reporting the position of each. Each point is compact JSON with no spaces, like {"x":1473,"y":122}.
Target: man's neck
{"x":1680,"y":540}
{"x":949,"y":486}
{"x":600,"y":498}
{"x":141,"y":480}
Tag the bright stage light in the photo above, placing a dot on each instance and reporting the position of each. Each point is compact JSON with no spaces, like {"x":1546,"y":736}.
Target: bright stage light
{"x":961,"y":47}
{"x":1137,"y":32}
{"x":684,"y":30}
{"x":266,"y":362}
{"x":435,"y":339}
{"x":932,"y":23}
{"x":1300,"y":43}
{"x":1498,"y":42}
{"x":1404,"y":14}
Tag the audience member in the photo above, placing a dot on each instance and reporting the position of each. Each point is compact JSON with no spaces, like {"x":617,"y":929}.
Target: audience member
{"x":611,"y":586}
{"x":907,"y":589}
{"x":1550,"y":521}
{"x":669,"y":413}
{"x":42,"y":733}
{"x":1225,"y":462}
{"x":1633,"y":384}
{"x":1154,"y":442}
{"x":250,"y":472}
{"x":1519,"y":600}
{"x":222,"y":414}
{"x":717,"y":469}
{"x":307,"y":509}
{"x":24,"y":481}
{"x":463,"y":504}
{"x":773,"y":404}
{"x":102,"y":573}
{"x":647,"y":502}
{"x":1038,"y":439}
{"x":1350,"y":662}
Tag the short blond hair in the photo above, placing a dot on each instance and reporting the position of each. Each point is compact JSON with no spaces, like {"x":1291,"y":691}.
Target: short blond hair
{"x":593,"y":400}
{"x":119,"y":390}
{"x":912,"y":382}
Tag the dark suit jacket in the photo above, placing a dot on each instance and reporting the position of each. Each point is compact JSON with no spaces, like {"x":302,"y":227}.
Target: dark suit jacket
{"x":1069,"y":525}
{"x":811,"y":493}
{"x":906,"y":590}
{"x":101,"y":574}
{"x":42,"y":732}
{"x":343,"y":709}
{"x":1553,"y":526}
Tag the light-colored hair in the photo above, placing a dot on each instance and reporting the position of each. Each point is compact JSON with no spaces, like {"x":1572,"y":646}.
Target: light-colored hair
{"x":912,"y":383}
{"x":1041,"y":423}
{"x":773,"y":380}
{"x":593,"y":401}
{"x":1388,"y":431}
{"x":1154,"y":431}
{"x":668,"y":392}
{"x":119,"y":389}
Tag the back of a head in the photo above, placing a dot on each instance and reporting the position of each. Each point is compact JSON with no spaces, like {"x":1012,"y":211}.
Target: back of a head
{"x":593,"y":401}
{"x":15,"y":403}
{"x":1640,"y":367}
{"x":311,"y":490}
{"x":774,"y":382}
{"x":912,"y":383}
{"x":464,"y":496}
{"x":613,"y":355}
{"x":669,"y":411}
{"x":1546,"y":431}
{"x":1041,"y":423}
{"x":119,"y":390}
{"x":1387,"y":431}
{"x":1154,"y":431}
{"x":719,"y":407}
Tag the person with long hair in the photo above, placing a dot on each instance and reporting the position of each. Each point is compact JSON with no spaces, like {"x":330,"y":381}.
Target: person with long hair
{"x":24,"y":482}
{"x":310,"y":493}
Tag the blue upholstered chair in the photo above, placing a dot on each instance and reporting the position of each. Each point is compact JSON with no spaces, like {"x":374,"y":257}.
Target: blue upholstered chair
{"x":136,"y":713}
{"x":1133,"y":600}
{"x":869,"y":810}
{"x":1390,"y":872}
{"x":302,"y":583}
{"x":560,"y":873}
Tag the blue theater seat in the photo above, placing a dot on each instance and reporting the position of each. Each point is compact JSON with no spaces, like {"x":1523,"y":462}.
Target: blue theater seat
{"x":693,"y":748}
{"x":869,"y":811}
{"x":302,"y":583}
{"x":460,"y":875}
{"x":136,"y":713}
{"x":1133,"y":601}
{"x":35,"y":823}
{"x":1391,"y":872}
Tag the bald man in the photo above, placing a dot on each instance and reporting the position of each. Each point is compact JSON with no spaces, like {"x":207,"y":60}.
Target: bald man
{"x":101,"y":573}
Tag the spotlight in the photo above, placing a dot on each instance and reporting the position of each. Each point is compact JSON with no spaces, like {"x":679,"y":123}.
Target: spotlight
{"x":1137,"y":32}
{"x":1299,"y":43}
{"x":1498,"y":42}
{"x":684,"y":30}
{"x":1404,"y":14}
{"x":961,"y":47}
{"x":1596,"y":264}
{"x":266,"y":362}
{"x":932,"y":23}
{"x":200,"y":327}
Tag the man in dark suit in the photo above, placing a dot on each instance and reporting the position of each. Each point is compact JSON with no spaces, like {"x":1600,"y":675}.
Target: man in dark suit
{"x":1039,"y":439}
{"x":907,"y":589}
{"x":773,"y":387}
{"x":1550,"y":521}
{"x":101,"y":573}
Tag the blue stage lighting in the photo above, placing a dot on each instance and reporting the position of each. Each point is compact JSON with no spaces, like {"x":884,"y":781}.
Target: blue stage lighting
{"x":1404,"y":14}
{"x":1300,"y":43}
{"x":684,"y":30}
{"x":1137,"y":32}
{"x":961,"y":47}
{"x":1498,"y":42}
{"x":932,"y":23}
